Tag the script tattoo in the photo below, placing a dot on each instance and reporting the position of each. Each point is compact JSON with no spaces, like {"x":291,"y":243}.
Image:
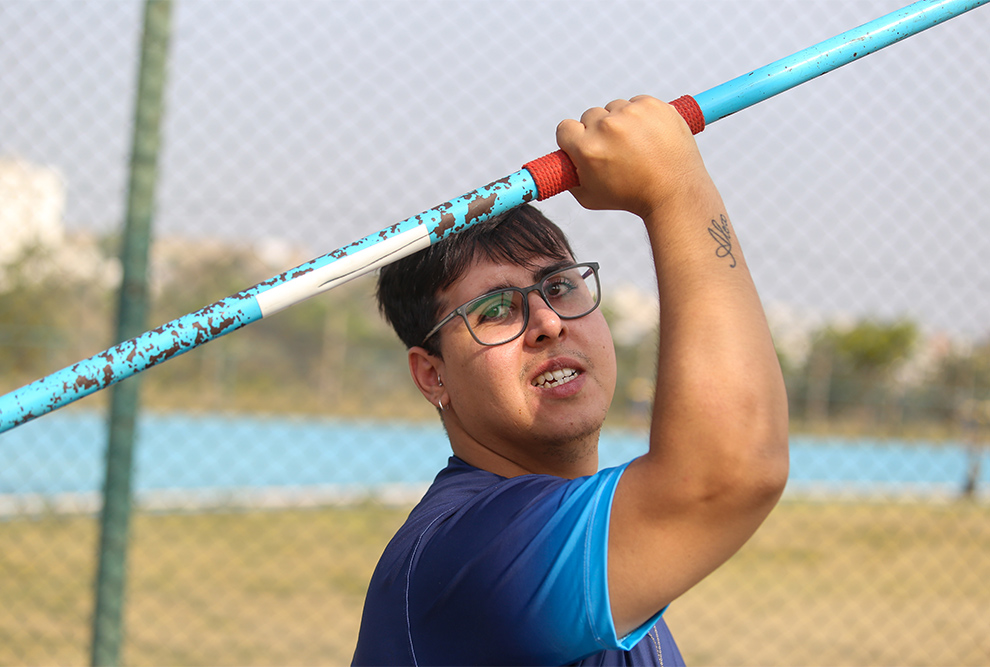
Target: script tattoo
{"x":719,"y":231}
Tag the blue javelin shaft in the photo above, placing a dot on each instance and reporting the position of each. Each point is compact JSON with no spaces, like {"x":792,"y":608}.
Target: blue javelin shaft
{"x":786,"y":73}
{"x":234,"y":312}
{"x":238,"y":310}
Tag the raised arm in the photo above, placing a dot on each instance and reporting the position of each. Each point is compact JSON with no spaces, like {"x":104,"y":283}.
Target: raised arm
{"x":718,"y":456}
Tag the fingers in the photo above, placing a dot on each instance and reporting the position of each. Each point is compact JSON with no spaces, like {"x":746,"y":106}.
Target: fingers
{"x":570,"y":131}
{"x":615,"y":105}
{"x":595,"y":114}
{"x":628,"y":153}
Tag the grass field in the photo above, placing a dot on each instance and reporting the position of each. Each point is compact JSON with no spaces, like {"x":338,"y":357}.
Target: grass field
{"x":820,"y":584}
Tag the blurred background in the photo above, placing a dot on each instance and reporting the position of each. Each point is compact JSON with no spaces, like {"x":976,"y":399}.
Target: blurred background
{"x":272,"y":466}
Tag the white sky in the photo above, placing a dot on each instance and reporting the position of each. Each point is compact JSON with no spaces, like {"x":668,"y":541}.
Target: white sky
{"x":864,"y":190}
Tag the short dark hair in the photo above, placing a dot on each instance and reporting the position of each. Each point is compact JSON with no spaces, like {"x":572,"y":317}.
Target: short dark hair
{"x":408,"y":289}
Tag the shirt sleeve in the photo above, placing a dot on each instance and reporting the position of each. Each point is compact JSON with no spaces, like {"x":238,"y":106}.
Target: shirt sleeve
{"x":518,"y":576}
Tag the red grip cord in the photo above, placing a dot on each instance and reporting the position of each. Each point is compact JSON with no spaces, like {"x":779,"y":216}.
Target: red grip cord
{"x":554,"y":173}
{"x":691,"y":112}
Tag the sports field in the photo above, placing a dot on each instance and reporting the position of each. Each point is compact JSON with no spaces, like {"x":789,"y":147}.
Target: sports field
{"x":821,"y":584}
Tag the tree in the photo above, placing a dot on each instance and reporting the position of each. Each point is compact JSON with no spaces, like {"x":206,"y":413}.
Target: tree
{"x":48,"y":316}
{"x":853,"y":366}
{"x":875,"y":349}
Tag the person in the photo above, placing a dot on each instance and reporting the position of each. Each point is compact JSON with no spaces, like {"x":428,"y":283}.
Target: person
{"x":522,"y":551}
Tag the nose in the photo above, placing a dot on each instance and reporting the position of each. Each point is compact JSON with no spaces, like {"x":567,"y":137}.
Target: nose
{"x":544,"y":322}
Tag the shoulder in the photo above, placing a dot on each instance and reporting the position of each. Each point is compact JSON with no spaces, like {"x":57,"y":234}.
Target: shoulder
{"x":492,"y":566}
{"x":533,"y":548}
{"x":483,"y":503}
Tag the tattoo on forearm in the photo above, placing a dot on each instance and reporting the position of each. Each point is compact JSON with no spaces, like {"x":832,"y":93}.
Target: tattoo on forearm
{"x":719,"y":230}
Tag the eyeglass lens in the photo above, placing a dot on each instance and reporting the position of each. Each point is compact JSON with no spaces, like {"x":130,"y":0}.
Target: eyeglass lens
{"x":500,"y":316}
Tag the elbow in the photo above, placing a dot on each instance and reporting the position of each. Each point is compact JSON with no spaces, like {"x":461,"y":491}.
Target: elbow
{"x":750,"y":461}
{"x":738,"y":486}
{"x":768,"y":450}
{"x":746,"y":480}
{"x":768,"y":479}
{"x":762,"y":448}
{"x":728,"y":443}
{"x":758,"y":464}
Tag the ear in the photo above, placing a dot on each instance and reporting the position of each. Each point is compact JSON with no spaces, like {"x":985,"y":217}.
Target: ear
{"x":427,"y":371}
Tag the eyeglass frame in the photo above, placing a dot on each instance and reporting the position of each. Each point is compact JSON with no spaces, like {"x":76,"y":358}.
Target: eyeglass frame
{"x":537,"y":287}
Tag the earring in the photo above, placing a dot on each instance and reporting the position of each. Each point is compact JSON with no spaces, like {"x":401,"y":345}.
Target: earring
{"x":440,"y":404}
{"x":439,"y":381}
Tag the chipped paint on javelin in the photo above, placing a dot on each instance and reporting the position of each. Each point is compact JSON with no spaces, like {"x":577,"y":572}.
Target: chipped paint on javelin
{"x":234,"y":312}
{"x":121,"y":361}
{"x":786,"y":73}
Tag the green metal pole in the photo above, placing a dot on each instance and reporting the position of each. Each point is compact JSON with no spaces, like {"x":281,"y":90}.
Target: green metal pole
{"x":108,"y":632}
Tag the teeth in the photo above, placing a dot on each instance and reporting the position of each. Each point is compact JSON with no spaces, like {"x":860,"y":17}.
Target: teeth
{"x":555,"y":378}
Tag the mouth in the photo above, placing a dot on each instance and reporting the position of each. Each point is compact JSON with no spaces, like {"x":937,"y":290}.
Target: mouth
{"x":555,"y":378}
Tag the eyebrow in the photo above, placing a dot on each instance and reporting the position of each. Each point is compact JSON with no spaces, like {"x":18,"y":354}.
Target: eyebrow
{"x":556,"y":266}
{"x":538,"y":275}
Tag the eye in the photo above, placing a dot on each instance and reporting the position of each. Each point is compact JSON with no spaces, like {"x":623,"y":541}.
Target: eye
{"x":492,"y":308}
{"x":559,"y":286}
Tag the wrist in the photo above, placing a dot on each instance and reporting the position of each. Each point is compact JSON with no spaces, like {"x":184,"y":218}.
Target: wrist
{"x":696,"y":198}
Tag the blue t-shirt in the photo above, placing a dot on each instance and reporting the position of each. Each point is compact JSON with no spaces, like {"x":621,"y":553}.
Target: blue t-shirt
{"x":495,"y":571}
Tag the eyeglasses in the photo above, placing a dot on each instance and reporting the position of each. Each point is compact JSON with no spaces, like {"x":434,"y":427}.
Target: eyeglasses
{"x":501,"y":316}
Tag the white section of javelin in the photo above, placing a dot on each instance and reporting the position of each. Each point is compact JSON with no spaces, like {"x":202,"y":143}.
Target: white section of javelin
{"x":342,"y":270}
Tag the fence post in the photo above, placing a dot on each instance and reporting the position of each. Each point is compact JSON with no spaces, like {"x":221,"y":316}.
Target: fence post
{"x":131,"y":320}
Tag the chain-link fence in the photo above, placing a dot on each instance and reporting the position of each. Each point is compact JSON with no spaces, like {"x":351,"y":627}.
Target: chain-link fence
{"x":272,"y":465}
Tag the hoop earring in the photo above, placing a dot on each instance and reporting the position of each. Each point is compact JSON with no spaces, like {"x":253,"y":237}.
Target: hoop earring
{"x":440,"y":404}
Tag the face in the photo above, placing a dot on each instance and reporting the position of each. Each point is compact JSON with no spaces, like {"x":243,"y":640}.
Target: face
{"x":541,"y":396}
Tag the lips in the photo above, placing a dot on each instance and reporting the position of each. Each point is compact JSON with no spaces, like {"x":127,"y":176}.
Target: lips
{"x":555,"y":378}
{"x":558,"y":371}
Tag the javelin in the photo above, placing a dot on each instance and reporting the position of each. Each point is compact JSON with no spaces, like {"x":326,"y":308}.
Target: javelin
{"x":539,"y":179}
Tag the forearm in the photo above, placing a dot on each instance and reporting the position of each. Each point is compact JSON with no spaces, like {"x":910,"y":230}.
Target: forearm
{"x":719,"y":390}
{"x":718,"y":458}
{"x":720,"y":411}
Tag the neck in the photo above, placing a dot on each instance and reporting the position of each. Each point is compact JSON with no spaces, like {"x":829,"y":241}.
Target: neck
{"x":568,"y":459}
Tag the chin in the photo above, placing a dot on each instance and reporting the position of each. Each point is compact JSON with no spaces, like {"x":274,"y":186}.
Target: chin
{"x":574,"y":440}
{"x":571,"y":452}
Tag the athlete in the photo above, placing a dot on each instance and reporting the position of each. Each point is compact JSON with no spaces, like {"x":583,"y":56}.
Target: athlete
{"x":523,"y":551}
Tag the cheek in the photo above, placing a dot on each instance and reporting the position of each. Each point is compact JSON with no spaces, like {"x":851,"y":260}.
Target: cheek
{"x":611,"y":373}
{"x":490,"y":374}
{"x":606,"y":357}
{"x":501,"y":371}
